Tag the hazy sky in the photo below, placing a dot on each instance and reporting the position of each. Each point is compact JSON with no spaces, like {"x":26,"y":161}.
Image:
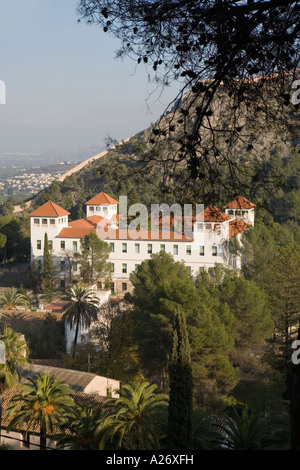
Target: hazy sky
{"x":64,"y":87}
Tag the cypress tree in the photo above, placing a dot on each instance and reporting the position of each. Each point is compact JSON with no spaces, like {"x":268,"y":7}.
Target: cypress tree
{"x":48,"y":271}
{"x":181,"y":388}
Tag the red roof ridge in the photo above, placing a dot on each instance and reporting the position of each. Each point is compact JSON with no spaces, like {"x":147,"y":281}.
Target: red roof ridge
{"x":237,"y":226}
{"x":101,"y":199}
{"x":213,"y":214}
{"x":49,"y":209}
{"x":87,"y":222}
{"x":240,"y":202}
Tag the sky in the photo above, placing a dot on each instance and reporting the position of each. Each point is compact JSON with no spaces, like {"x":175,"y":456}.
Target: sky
{"x":64,"y":86}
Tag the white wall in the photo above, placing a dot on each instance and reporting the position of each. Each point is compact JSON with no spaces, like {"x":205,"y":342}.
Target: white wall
{"x":38,"y":232}
{"x":103,"y":386}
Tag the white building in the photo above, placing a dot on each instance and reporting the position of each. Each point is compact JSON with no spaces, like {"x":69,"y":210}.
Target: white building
{"x":205,"y":245}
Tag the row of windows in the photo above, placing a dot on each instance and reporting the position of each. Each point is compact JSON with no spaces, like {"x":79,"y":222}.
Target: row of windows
{"x":46,"y":222}
{"x":214,"y":250}
{"x":101,"y":285}
{"x":188,"y":249}
{"x":103,"y":209}
{"x":62,"y":245}
{"x":63,"y":265}
{"x":125,"y":267}
{"x":112,"y":285}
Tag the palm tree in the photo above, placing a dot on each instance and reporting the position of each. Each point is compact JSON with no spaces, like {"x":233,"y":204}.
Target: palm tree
{"x":81,"y":310}
{"x":248,"y":430}
{"x":41,"y":404}
{"x":15,"y":349}
{"x":11,"y":299}
{"x":77,"y":431}
{"x":136,"y":420}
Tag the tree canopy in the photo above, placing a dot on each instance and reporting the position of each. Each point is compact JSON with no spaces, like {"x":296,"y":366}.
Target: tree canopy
{"x":226,"y":55}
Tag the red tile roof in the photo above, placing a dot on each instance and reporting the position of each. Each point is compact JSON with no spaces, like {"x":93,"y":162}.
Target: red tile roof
{"x":50,"y":209}
{"x":89,"y":222}
{"x":213,"y":214}
{"x":240,"y":202}
{"x":155,"y":235}
{"x":237,"y":226}
{"x":70,"y":232}
{"x":101,"y":199}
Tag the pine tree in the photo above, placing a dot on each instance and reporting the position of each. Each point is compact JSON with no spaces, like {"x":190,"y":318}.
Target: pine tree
{"x":48,"y":274}
{"x":181,"y":388}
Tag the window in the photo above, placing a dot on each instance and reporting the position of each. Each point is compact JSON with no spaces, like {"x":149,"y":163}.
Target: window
{"x":162,"y":247}
{"x":149,"y":248}
{"x":112,"y":247}
{"x":92,"y":209}
{"x":112,"y":286}
{"x":201,"y":250}
{"x":188,"y":249}
{"x":50,"y":244}
{"x":62,"y":245}
{"x":39,"y":245}
{"x":124,"y":247}
{"x":44,"y":221}
{"x":214,"y":251}
{"x":39,"y":264}
{"x":62,"y":265}
{"x":199,"y":226}
{"x":175,"y":249}
{"x":75,"y":266}
{"x":124,"y":286}
{"x":62,"y":283}
{"x":36,"y":221}
{"x":98,"y":209}
{"x":124,"y":268}
{"x":137,"y":247}
{"x":112,"y":265}
{"x":74,"y":246}
{"x":136,"y":266}
{"x":52,"y":221}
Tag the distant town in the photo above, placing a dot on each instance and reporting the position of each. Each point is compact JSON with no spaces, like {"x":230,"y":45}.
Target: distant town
{"x":25,"y":174}
{"x":28,"y":182}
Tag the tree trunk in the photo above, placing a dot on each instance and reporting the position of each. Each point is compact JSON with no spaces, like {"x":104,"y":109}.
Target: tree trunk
{"x":43,"y":439}
{"x":76,"y":333}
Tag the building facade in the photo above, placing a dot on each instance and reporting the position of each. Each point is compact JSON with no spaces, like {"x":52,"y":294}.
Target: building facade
{"x":205,"y":244}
